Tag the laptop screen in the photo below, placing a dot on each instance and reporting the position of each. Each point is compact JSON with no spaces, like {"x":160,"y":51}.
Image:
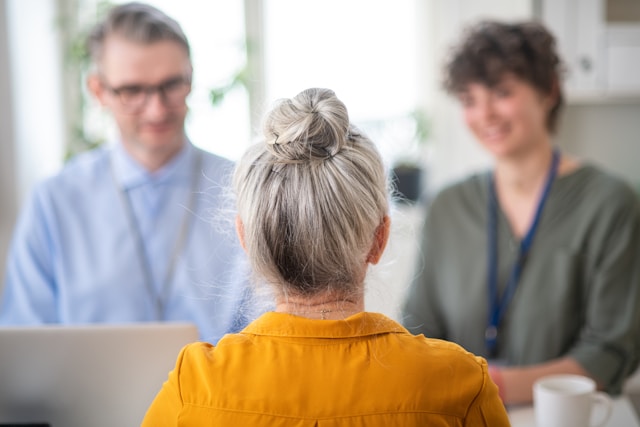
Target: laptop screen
{"x":79,"y":376}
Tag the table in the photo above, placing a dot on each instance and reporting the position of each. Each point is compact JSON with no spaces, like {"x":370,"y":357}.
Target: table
{"x":624,"y":414}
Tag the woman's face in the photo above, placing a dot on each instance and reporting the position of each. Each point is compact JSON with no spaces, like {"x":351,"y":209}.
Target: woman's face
{"x":508,"y":119}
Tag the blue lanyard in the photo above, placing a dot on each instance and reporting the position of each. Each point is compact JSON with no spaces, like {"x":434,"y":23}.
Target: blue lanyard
{"x":498,"y":306}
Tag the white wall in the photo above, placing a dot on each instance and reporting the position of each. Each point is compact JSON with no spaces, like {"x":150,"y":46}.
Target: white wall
{"x":31,"y":118}
{"x":8,"y":202}
{"x":36,"y":87}
{"x":606,"y":134}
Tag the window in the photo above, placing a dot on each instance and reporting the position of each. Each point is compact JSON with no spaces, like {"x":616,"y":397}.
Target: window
{"x":364,"y":50}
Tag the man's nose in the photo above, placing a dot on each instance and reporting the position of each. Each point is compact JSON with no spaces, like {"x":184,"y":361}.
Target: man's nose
{"x":156,"y":103}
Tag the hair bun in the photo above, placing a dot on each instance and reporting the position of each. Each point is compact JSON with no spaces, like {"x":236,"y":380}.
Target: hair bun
{"x":314,"y":125}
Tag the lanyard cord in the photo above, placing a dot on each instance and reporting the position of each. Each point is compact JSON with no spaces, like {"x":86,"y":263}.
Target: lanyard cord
{"x":498,"y":306}
{"x":160,"y":297}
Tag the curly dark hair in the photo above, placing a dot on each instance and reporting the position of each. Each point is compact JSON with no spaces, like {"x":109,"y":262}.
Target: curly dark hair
{"x":491,"y":49}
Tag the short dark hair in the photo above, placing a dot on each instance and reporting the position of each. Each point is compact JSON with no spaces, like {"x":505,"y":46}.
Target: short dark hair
{"x":137,"y":22}
{"x":491,"y":49}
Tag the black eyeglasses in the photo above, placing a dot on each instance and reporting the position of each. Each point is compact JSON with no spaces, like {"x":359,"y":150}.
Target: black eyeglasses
{"x":134,"y":97}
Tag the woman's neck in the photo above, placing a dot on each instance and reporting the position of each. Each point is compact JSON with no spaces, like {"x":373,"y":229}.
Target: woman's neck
{"x":519,"y":182}
{"x":327,"y":306}
{"x":524,"y":175}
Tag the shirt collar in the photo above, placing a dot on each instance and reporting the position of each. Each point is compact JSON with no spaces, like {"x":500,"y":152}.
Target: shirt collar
{"x":129,"y":173}
{"x":288,"y":325}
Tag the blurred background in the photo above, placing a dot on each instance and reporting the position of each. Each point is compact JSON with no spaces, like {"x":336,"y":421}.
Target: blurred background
{"x":381,"y":57}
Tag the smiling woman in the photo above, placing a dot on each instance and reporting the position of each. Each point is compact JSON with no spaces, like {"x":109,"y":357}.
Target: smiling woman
{"x":508,"y":118}
{"x":531,"y":264}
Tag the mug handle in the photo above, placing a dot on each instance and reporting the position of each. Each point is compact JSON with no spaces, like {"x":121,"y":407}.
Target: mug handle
{"x":602,"y":399}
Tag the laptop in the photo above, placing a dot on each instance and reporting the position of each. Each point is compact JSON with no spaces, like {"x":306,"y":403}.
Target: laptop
{"x":81,"y":376}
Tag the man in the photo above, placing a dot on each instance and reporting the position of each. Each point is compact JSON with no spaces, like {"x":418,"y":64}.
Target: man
{"x":123,"y":233}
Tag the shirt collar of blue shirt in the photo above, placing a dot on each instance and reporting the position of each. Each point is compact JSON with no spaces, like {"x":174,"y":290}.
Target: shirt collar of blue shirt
{"x":130,"y":174}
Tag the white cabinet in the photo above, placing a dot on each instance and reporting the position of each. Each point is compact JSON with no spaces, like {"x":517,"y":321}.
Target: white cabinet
{"x":600,"y":43}
{"x":622,"y":58}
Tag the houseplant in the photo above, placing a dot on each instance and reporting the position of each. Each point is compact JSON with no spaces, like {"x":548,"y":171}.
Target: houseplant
{"x":408,"y":168}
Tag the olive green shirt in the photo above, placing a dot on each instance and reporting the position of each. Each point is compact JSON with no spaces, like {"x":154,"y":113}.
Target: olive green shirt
{"x":579,"y":291}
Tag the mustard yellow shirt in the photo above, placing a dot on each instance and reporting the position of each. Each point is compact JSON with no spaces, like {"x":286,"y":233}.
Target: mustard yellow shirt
{"x":366,"y":370}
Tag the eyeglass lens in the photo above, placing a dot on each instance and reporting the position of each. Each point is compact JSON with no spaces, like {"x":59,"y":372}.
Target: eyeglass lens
{"x":172,"y":93}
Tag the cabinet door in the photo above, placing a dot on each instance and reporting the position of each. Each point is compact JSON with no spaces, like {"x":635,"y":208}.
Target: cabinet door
{"x":623,"y":59}
{"x":579,"y":29}
{"x":622,"y":22}
{"x":599,"y":41}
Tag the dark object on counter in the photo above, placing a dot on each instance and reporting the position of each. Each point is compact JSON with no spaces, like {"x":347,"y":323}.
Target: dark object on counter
{"x":407,"y":181}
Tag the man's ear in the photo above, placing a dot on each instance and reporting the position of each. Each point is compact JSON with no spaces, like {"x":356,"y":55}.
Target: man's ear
{"x":240,"y":232}
{"x":190,"y":73}
{"x":380,"y":240}
{"x":95,"y":87}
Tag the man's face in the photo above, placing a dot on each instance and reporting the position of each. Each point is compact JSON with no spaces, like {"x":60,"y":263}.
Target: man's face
{"x":145,"y":87}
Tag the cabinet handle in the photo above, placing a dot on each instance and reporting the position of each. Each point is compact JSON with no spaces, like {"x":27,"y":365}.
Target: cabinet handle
{"x":585,"y":63}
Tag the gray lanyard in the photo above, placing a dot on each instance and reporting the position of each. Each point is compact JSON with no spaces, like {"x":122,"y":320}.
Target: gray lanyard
{"x":160,"y":297}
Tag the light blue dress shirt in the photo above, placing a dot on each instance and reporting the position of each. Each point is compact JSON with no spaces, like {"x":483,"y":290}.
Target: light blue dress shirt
{"x":76,"y":258}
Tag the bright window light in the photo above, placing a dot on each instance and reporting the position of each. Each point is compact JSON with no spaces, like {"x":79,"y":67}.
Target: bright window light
{"x":364,"y":50}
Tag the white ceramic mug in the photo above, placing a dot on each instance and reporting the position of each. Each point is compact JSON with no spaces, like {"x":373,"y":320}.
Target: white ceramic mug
{"x":568,"y":400}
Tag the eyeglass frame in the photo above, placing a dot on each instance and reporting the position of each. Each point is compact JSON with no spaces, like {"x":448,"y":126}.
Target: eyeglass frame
{"x":148,"y":91}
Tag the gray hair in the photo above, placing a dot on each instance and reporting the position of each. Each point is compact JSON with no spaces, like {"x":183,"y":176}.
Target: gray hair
{"x":137,"y":22}
{"x":311,"y":196}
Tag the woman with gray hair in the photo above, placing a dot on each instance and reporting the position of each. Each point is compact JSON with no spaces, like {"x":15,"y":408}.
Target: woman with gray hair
{"x":312,"y":205}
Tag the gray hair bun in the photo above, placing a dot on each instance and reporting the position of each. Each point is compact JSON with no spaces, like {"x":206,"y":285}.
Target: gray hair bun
{"x":314,"y":125}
